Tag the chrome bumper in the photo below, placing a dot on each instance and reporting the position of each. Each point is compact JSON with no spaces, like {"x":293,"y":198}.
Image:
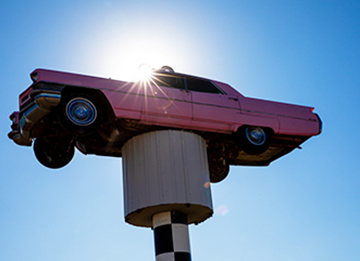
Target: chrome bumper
{"x":24,"y":121}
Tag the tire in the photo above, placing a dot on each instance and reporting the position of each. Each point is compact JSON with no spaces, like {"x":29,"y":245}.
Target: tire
{"x":79,"y":114}
{"x":218,"y":170}
{"x":253,"y":140}
{"x":54,"y":153}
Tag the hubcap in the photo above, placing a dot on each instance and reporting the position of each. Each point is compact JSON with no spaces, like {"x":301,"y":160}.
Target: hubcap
{"x":81,"y":111}
{"x":256,"y":135}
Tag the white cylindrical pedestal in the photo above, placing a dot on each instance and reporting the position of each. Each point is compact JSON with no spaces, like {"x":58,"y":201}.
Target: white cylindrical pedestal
{"x":171,"y":236}
{"x":166,"y":171}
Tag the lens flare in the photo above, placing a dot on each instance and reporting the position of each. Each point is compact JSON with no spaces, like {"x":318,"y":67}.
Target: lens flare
{"x":221,"y":210}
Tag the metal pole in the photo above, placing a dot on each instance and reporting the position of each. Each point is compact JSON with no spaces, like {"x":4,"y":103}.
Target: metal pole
{"x":171,"y":236}
{"x":166,"y":187}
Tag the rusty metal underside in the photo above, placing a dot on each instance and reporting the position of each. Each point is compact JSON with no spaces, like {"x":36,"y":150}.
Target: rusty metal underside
{"x":109,"y":140}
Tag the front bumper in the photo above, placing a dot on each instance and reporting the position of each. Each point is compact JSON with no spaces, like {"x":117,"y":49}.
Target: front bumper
{"x":23,"y":121}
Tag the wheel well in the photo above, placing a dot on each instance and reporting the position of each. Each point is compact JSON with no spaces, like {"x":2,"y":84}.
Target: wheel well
{"x":268,"y":130}
{"x":96,"y":94}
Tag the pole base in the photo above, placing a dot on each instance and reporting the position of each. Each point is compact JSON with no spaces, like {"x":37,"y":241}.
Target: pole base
{"x":164,"y":171}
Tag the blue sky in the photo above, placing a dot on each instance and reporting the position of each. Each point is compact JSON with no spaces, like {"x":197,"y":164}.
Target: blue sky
{"x":305,"y":206}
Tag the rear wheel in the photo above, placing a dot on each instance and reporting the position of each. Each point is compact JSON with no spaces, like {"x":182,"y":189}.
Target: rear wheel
{"x":253,"y":140}
{"x":54,"y":152}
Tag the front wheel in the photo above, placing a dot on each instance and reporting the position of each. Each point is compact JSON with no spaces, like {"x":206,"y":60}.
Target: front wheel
{"x":218,"y":170}
{"x":253,"y":140}
{"x":53,"y":152}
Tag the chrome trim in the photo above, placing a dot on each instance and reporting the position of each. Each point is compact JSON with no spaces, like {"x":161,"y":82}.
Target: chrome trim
{"x":47,"y":100}
{"x":42,"y":104}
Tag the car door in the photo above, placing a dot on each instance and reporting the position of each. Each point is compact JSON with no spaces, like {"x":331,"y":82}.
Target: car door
{"x":213,"y":109}
{"x":167,"y":102}
{"x":126,"y":99}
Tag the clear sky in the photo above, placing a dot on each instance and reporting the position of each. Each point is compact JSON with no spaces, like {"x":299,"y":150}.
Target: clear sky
{"x":304,"y":206}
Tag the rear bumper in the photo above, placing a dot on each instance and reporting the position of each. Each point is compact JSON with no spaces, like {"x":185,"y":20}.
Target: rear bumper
{"x":320,"y":123}
{"x":24,"y":121}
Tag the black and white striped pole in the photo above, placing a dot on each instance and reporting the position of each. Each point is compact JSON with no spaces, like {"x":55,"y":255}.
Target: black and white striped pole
{"x":167,"y":188}
{"x":171,"y":236}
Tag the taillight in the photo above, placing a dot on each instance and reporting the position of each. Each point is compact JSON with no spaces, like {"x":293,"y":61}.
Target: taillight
{"x":24,"y":98}
{"x":14,"y":117}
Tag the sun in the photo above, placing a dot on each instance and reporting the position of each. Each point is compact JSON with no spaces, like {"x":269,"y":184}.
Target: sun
{"x":127,"y":57}
{"x":144,"y":72}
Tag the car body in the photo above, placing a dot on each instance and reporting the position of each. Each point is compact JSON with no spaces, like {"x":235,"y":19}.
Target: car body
{"x":98,"y":115}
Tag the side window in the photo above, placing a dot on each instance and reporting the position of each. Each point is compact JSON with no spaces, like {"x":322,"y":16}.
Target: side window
{"x":200,"y":85}
{"x":168,"y":81}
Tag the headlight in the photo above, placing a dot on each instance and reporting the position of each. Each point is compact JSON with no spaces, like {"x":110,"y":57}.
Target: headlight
{"x":34,"y":76}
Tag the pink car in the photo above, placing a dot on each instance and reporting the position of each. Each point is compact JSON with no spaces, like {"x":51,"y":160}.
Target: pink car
{"x":61,"y":111}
